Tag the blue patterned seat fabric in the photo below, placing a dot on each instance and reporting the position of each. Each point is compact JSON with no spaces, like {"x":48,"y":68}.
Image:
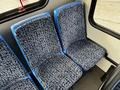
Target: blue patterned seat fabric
{"x":39,"y":42}
{"x":70,"y":23}
{"x":12,"y":74}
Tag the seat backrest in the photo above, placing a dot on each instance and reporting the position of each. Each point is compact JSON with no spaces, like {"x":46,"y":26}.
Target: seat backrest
{"x":70,"y":23}
{"x":37,"y":38}
{"x":10,"y":68}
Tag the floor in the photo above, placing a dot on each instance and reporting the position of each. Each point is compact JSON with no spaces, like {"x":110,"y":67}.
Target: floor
{"x":90,"y":81}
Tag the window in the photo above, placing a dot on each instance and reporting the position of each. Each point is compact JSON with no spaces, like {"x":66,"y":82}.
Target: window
{"x":107,"y":14}
{"x":10,"y":9}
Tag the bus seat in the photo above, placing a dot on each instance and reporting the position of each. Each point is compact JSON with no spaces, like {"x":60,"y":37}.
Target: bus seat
{"x":70,"y":23}
{"x":12,"y":74}
{"x":38,"y":40}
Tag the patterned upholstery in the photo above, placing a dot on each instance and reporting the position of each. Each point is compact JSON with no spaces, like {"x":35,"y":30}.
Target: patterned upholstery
{"x":85,"y":53}
{"x":70,"y":23}
{"x":23,"y":84}
{"x":37,"y":38}
{"x":40,"y":44}
{"x":58,"y":72}
{"x":10,"y":69}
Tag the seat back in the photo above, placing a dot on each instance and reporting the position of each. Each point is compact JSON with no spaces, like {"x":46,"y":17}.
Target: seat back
{"x":37,"y":38}
{"x":70,"y":23}
{"x":10,"y":68}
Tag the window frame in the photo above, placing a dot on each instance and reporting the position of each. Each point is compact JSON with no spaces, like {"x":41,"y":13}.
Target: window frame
{"x":12,"y":14}
{"x":94,"y":24}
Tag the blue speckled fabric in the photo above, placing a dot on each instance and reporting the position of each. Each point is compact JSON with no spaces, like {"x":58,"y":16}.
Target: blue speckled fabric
{"x":11,"y":71}
{"x":70,"y":24}
{"x":38,"y":39}
{"x":58,"y":72}
{"x":85,"y":53}
{"x":22,"y":84}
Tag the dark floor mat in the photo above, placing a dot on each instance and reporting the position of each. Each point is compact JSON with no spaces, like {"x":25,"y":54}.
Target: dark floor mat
{"x":90,"y":81}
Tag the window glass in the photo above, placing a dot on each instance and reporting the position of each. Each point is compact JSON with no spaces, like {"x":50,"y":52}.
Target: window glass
{"x":107,"y":14}
{"x":7,"y":5}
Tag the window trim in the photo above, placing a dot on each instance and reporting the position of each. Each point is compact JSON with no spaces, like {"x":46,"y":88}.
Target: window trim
{"x":12,"y":14}
{"x":94,"y":24}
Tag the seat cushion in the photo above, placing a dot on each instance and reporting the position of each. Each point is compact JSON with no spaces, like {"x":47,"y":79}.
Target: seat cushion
{"x":85,"y":53}
{"x":58,"y":72}
{"x":10,"y":68}
{"x":24,"y":84}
